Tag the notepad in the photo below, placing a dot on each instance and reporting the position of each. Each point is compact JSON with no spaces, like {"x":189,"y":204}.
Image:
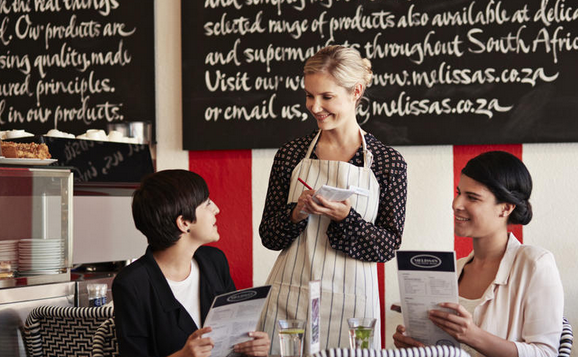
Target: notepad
{"x":338,"y":194}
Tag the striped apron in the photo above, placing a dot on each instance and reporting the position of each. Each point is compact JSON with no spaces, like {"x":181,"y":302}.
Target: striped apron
{"x":349,"y":287}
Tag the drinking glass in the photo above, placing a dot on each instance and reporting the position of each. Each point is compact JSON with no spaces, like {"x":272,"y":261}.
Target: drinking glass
{"x":361,"y":332}
{"x":291,"y":337}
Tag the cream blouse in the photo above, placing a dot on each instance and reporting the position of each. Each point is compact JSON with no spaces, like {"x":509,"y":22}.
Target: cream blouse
{"x":525,"y":302}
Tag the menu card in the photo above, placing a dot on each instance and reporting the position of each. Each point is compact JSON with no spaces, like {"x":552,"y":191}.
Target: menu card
{"x":314,"y":316}
{"x":426,"y":279}
{"x":233,"y":315}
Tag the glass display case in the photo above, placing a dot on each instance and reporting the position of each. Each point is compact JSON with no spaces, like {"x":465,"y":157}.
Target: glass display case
{"x":35,"y":225}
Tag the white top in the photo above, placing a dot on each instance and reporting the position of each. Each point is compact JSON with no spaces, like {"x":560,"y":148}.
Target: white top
{"x":525,"y":302}
{"x":470,"y":305}
{"x":187,"y":292}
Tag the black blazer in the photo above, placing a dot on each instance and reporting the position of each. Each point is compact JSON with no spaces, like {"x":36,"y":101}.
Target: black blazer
{"x":149,"y":320}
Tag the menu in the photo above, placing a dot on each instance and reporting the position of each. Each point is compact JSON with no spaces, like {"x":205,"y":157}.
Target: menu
{"x":426,"y":279}
{"x":233,"y":315}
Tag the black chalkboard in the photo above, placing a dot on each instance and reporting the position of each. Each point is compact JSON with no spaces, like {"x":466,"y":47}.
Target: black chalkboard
{"x":445,"y":71}
{"x":76,"y":65}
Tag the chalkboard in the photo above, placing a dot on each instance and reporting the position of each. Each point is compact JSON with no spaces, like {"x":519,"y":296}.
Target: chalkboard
{"x":445,"y":71}
{"x":76,"y":65}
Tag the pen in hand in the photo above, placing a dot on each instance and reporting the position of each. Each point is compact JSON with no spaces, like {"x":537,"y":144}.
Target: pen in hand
{"x":304,"y":183}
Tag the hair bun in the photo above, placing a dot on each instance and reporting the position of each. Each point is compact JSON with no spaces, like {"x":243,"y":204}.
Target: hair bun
{"x":522,"y":214}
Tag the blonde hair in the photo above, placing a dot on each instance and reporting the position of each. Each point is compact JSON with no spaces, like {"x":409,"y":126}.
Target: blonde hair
{"x":345,"y":64}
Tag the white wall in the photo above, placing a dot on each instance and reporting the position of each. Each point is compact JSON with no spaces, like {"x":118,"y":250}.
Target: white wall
{"x":554,"y":168}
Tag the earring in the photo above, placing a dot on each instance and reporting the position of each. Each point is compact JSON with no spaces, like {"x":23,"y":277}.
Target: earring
{"x":188,"y":230}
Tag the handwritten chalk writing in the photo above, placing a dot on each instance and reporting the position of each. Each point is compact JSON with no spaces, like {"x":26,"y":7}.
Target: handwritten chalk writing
{"x":84,"y":175}
{"x":223,"y":3}
{"x":212,"y":113}
{"x":13,"y":116}
{"x":38,"y":114}
{"x":445,"y":74}
{"x":295,"y":28}
{"x":413,"y":18}
{"x":268,"y":83}
{"x":278,"y":54}
{"x":416,"y":52}
{"x":117,"y":28}
{"x":240,"y":25}
{"x":318,"y":23}
{"x":4,"y":37}
{"x":222,"y":82}
{"x":501,"y":44}
{"x":21,"y":63}
{"x":69,"y":57}
{"x":84,"y":29}
{"x":103,"y":111}
{"x":263,"y":111}
{"x":217,"y":57}
{"x":555,"y":44}
{"x":557,"y":14}
{"x":47,"y":6}
{"x":112,"y":161}
{"x":294,"y":82}
{"x":104,"y":6}
{"x":9,"y":89}
{"x":292,"y":111}
{"x":236,"y":112}
{"x":405,"y":105}
{"x":298,"y":4}
{"x":75,"y":148}
{"x":491,"y":14}
{"x":14,"y":6}
{"x":78,"y":85}
{"x":25,"y":29}
{"x":388,"y":79}
{"x":380,"y":20}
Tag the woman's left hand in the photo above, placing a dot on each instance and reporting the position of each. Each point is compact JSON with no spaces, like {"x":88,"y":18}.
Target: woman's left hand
{"x":336,"y":210}
{"x":460,"y":325}
{"x":259,"y":346}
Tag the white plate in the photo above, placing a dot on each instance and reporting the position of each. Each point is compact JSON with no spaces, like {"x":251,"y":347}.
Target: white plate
{"x":18,"y":161}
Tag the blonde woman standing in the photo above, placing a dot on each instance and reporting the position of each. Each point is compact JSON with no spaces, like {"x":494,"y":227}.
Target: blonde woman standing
{"x":337,"y":243}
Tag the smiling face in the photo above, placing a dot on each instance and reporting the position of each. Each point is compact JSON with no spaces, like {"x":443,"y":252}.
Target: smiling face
{"x":331,"y":104}
{"x":476,"y":212}
{"x":204,"y":229}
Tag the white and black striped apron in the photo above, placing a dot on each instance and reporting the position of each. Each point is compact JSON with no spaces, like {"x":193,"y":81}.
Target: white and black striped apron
{"x":349,"y":287}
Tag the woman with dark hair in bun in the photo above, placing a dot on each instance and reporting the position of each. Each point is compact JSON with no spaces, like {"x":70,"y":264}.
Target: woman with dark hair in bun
{"x":511,"y":297}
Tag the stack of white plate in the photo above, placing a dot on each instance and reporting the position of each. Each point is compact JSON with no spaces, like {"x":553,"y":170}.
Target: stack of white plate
{"x":40,"y":256}
{"x":9,"y":252}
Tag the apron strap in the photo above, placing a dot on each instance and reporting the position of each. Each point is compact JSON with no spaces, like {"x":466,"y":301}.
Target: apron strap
{"x":367,"y":155}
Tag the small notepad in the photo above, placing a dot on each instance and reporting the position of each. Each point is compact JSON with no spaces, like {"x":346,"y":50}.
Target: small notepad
{"x":338,"y":194}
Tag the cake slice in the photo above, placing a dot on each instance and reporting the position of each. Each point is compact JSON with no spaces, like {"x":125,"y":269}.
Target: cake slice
{"x":25,"y":150}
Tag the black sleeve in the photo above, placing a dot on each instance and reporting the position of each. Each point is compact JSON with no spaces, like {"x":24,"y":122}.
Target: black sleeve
{"x":277,"y":231}
{"x":130,"y":314}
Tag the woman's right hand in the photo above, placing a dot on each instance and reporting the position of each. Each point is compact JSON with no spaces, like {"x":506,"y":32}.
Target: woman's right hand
{"x":197,"y":345}
{"x":402,"y":341}
{"x":300,"y":211}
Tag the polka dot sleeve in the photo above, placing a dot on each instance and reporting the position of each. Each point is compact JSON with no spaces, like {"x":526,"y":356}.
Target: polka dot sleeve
{"x":276,"y":229}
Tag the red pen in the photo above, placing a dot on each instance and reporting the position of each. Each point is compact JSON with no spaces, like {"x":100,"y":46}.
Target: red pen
{"x":304,"y":183}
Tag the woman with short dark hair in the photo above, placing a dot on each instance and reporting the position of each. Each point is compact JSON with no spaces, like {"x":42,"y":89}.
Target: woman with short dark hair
{"x":161,"y":300}
{"x":511,"y":297}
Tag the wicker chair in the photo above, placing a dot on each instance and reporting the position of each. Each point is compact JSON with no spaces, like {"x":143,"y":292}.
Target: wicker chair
{"x":104,"y":342}
{"x":566,"y":340}
{"x":429,"y":351}
{"x":63,"y":331}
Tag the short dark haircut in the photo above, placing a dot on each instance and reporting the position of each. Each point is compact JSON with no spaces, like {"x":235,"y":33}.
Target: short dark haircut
{"x":507,"y":178}
{"x":161,"y":198}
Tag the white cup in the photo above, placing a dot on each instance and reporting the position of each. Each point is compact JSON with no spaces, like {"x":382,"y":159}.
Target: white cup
{"x":13,"y":134}
{"x":96,"y":134}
